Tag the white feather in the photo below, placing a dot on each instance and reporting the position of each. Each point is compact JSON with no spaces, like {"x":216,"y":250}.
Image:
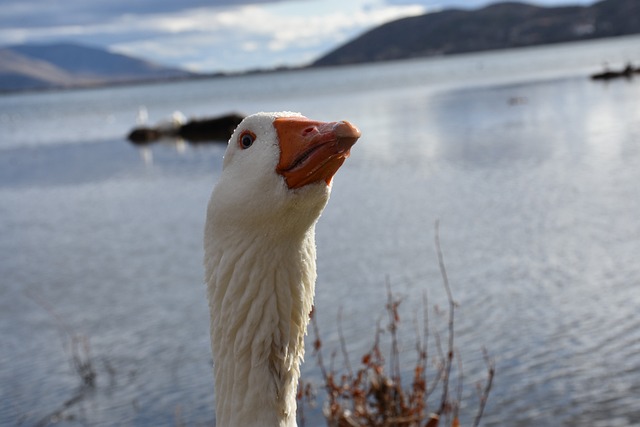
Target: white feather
{"x":260,"y":267}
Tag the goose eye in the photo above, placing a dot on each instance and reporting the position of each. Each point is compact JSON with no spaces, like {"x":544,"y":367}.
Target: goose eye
{"x":246,"y":139}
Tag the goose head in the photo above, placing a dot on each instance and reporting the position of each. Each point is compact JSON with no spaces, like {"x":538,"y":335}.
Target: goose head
{"x":277,"y":171}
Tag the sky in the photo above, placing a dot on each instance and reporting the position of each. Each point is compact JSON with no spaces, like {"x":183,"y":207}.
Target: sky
{"x":212,"y":35}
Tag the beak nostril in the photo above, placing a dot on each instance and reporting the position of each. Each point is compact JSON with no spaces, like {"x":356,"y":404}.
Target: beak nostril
{"x":309,"y":130}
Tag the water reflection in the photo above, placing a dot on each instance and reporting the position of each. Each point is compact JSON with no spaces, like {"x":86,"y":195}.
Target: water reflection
{"x":71,"y":164}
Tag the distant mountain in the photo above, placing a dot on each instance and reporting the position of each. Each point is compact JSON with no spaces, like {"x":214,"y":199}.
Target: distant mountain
{"x":64,"y":65}
{"x":498,"y":26}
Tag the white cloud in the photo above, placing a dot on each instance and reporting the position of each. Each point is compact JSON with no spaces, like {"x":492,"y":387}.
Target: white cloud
{"x":250,"y":46}
{"x":229,"y":38}
{"x":285,"y":33}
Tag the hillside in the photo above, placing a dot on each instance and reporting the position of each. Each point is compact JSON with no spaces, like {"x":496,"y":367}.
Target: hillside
{"x":63,"y":65}
{"x":498,"y":26}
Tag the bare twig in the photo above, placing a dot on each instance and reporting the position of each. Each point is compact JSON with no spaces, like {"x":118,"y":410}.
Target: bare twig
{"x":491,"y":370}
{"x":59,"y":413}
{"x":449,"y":356}
{"x":456,"y":408}
{"x":304,"y":395}
{"x":317,"y":343}
{"x":425,"y":313}
{"x":394,"y":320}
{"x":343,"y":344}
{"x":435,"y":382}
{"x":79,"y":354}
{"x":82,"y":360}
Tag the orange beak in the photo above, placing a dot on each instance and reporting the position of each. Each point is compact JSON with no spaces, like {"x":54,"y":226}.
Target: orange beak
{"x":311,"y":151}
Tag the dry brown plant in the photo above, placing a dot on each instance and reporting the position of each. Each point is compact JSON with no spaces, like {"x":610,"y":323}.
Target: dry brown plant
{"x":374,"y":395}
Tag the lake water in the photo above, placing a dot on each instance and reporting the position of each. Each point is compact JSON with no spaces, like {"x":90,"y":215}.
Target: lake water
{"x":532,"y":169}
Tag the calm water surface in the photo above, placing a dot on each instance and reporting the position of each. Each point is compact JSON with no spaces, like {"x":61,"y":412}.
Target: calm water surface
{"x":532,"y":169}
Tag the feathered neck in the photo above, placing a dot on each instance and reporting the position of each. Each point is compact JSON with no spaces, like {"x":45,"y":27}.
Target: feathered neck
{"x":260,"y":289}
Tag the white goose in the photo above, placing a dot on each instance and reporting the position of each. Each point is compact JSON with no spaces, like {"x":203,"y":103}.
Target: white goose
{"x":260,"y":260}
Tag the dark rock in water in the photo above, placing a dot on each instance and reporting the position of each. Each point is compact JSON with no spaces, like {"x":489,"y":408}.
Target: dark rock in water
{"x":217,"y":129}
{"x":626,"y":72}
{"x":143,"y":135}
{"x":205,"y":130}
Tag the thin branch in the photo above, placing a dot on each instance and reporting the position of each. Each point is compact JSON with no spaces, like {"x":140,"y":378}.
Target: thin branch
{"x":392,"y":310}
{"x":58,"y":413}
{"x":343,"y":344}
{"x":317,"y":343}
{"x":456,"y":409}
{"x":491,"y":370}
{"x":79,"y":354}
{"x":435,"y":383}
{"x":449,"y":358}
{"x":425,"y":311}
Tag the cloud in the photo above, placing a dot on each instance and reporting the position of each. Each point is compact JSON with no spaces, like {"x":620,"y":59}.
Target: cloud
{"x":204,"y":35}
{"x":45,"y":13}
{"x":286,"y":33}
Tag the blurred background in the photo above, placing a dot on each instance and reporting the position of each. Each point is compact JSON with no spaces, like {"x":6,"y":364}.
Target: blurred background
{"x":516,"y":125}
